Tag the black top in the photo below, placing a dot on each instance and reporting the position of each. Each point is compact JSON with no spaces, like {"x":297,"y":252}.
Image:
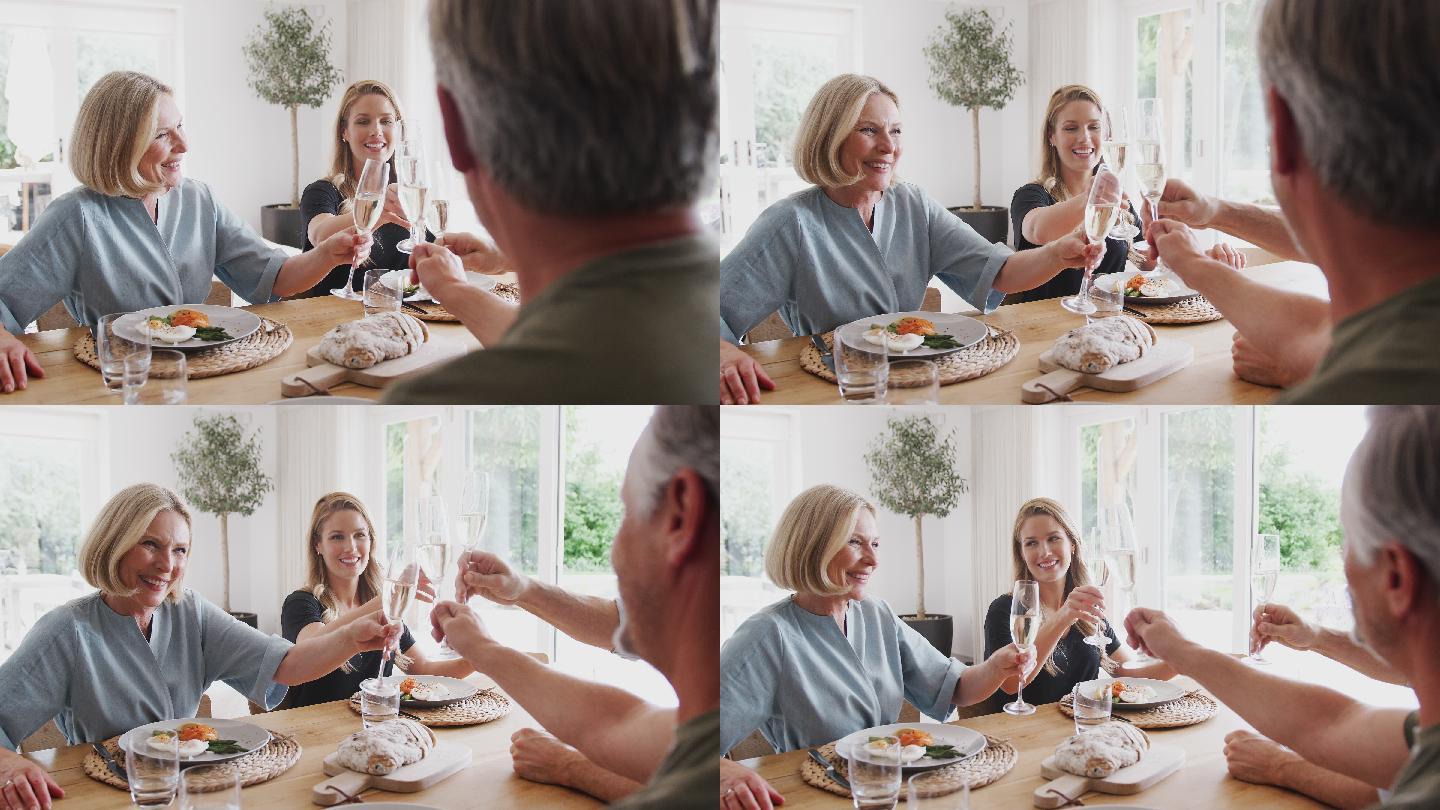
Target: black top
{"x":322,"y":197}
{"x":1077,"y":660}
{"x":302,"y":609}
{"x":1067,"y":282}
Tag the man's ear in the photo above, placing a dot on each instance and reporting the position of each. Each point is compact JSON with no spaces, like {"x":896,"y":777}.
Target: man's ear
{"x":455,"y":138}
{"x":1406,"y":584}
{"x":684,"y":510}
{"x":1284,"y":134}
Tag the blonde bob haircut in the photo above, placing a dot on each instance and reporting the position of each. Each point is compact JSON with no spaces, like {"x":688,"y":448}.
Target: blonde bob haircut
{"x":112,"y":131}
{"x":119,"y":527}
{"x":1049,"y":178}
{"x":829,"y":118}
{"x":1079,"y":573}
{"x":815,"y":526}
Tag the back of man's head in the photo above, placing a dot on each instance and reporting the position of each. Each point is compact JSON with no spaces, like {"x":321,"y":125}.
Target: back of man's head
{"x":1392,"y":486}
{"x":1362,"y":80}
{"x":679,"y":437}
{"x":584,"y":107}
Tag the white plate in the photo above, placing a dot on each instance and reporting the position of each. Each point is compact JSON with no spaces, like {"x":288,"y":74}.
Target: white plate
{"x":1115,"y":282}
{"x":1165,"y":692}
{"x":247,"y":735}
{"x":968,"y":742}
{"x":966,"y":331}
{"x":397,"y":806}
{"x":395,"y":279}
{"x":459,"y":690}
{"x":237,"y":322}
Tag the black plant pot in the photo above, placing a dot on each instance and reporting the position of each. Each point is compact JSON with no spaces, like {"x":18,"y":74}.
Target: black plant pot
{"x":248,"y":618}
{"x":937,"y":628}
{"x":991,"y":221}
{"x":282,"y":224}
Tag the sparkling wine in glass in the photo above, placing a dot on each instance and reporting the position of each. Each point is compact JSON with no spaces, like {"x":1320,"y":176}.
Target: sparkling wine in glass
{"x":474,"y":516}
{"x":436,"y":551}
{"x":1116,"y":149}
{"x":437,"y":217}
{"x":1102,"y":208}
{"x":414,"y":179}
{"x":1149,"y":155}
{"x":366,"y":208}
{"x":402,"y":577}
{"x":1024,"y":627}
{"x":1264,"y":571}
{"x":1100,"y":576}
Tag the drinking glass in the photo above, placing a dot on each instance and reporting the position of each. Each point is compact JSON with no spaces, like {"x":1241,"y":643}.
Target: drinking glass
{"x":158,"y":379}
{"x":379,"y":701}
{"x":913,"y":382}
{"x":153,"y":773}
{"x":366,"y":208}
{"x":875,"y":776}
{"x":1264,"y":570}
{"x":1116,"y":148}
{"x":210,"y":787}
{"x":1024,"y":627}
{"x":925,"y":782}
{"x":111,"y":349}
{"x":414,"y":179}
{"x":1100,"y":577}
{"x":436,"y":552}
{"x":1091,"y":704}
{"x":1101,"y":209}
{"x":402,"y":577}
{"x":437,"y":217}
{"x":862,"y":370}
{"x":1150,"y":154}
{"x":381,"y":295}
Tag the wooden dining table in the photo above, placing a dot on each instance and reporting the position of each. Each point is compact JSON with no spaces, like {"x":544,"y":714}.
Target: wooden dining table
{"x":68,"y":381}
{"x":489,"y":781}
{"x":1209,"y":378}
{"x":1201,"y":782}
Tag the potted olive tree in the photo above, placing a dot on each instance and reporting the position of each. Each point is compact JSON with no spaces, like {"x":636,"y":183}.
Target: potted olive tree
{"x":912,"y":473}
{"x":970,"y":68}
{"x":221,"y":474}
{"x":289,"y":61}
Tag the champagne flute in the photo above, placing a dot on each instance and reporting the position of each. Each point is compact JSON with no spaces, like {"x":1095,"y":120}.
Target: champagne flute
{"x":1150,"y":155}
{"x":1100,"y":570}
{"x":437,"y":217}
{"x":1101,"y":209}
{"x":1115,"y":148}
{"x":366,"y":208}
{"x":474,"y":515}
{"x":414,"y":179}
{"x":1264,"y":571}
{"x":402,"y":576}
{"x":436,"y":551}
{"x":1024,"y":627}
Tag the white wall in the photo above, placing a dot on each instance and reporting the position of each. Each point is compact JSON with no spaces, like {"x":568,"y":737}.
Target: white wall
{"x":833,"y":440}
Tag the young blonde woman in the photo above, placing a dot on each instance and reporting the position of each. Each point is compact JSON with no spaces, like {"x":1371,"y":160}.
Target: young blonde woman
{"x":342,"y":586}
{"x":1046,"y":548}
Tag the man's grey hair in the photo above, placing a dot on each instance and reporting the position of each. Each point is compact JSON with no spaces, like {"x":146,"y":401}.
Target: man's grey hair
{"x":678,"y":437}
{"x":584,"y":107}
{"x":1362,"y":80}
{"x":1392,"y":486}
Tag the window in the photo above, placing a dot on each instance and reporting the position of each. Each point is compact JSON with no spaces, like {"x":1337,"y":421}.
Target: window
{"x":755,"y":486}
{"x":1164,"y":68}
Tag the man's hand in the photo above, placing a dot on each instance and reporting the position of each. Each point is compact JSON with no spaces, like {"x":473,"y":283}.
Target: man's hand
{"x":485,"y":574}
{"x":438,"y":269}
{"x":1152,"y":632}
{"x":1072,"y":250}
{"x":460,"y":626}
{"x":1253,"y":758}
{"x":1180,"y":202}
{"x":743,"y":789}
{"x":1272,"y":622}
{"x":1175,"y":244}
{"x":17,"y":363}
{"x":540,"y":757}
{"x":475,"y":253}
{"x":741,"y":377}
{"x":1255,"y":366}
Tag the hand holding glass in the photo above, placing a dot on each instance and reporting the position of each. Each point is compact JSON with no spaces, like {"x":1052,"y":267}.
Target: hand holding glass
{"x":414,"y":178}
{"x":1024,"y":627}
{"x":1101,"y":209}
{"x":1265,"y":570}
{"x":402,"y":577}
{"x":1100,"y":572}
{"x":436,"y":552}
{"x":366,"y":208}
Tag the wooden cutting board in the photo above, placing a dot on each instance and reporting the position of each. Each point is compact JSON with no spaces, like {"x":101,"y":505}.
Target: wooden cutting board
{"x":445,"y":760}
{"x":1159,"y":762}
{"x":325,"y":375}
{"x":1165,"y":358}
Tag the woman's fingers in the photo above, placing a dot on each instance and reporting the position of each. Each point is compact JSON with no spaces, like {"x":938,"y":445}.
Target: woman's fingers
{"x":732,"y":389}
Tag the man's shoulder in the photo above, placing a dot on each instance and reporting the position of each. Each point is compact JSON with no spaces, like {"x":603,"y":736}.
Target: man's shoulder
{"x":1383,"y":355}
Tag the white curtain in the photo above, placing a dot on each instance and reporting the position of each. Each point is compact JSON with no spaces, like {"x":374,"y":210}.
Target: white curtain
{"x":319,"y":453}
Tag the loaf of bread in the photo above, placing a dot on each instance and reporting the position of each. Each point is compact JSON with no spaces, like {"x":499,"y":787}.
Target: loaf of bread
{"x":1103,"y":344}
{"x":1102,"y":750}
{"x":363,"y":343}
{"x":386,"y":747}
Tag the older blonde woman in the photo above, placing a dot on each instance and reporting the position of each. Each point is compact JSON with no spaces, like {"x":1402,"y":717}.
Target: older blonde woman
{"x":1045,"y":547}
{"x":342,"y":587}
{"x":829,"y":661}
{"x":144,"y":648}
{"x":138,"y":233}
{"x":859,"y":242}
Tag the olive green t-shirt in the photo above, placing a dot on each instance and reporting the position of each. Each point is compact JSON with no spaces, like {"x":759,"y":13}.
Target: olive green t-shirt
{"x":689,"y":778}
{"x":636,"y":327}
{"x":1418,"y":785}
{"x":1388,"y":354}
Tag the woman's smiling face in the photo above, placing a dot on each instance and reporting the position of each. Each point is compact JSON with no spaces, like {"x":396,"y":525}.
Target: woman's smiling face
{"x":1076,"y":136}
{"x":872,"y":148}
{"x":370,"y":131}
{"x":157,"y":563}
{"x":853,"y":564}
{"x":344,"y":544}
{"x":1045,"y":548}
{"x":161,"y":162}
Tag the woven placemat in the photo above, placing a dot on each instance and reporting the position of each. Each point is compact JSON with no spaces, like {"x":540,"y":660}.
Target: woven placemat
{"x":1195,"y":707}
{"x":261,"y":765}
{"x":994,"y":351}
{"x":482,"y":708}
{"x":1191,"y":310}
{"x":431,"y":311}
{"x":264,"y":345}
{"x":978,"y":771}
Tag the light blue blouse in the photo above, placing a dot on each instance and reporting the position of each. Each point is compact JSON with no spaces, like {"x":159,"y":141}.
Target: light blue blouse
{"x":794,"y":676}
{"x":816,"y":262}
{"x":92,"y":670}
{"x":102,"y":254}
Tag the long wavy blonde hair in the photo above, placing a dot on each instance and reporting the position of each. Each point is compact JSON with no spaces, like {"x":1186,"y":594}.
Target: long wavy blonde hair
{"x":343,"y":172}
{"x":1078,"y":573}
{"x":317,"y":576}
{"x":1049,"y":178}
